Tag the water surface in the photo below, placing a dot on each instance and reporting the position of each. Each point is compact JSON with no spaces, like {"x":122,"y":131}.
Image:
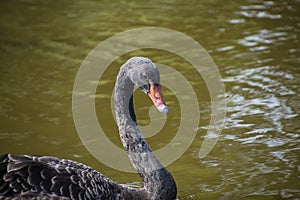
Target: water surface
{"x":254,"y":43}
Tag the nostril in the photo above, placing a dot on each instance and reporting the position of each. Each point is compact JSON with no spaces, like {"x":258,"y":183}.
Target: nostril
{"x":157,"y":96}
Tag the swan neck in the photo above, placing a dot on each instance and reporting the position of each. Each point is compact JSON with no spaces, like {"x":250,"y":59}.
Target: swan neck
{"x":158,"y":182}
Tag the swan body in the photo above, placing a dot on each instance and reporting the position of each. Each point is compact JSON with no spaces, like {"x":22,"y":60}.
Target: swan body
{"x":45,"y":177}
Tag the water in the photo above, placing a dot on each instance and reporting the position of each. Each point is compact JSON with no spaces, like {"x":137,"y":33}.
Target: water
{"x":254,"y":43}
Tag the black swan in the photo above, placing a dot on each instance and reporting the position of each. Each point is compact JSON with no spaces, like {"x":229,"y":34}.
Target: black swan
{"x":45,"y":177}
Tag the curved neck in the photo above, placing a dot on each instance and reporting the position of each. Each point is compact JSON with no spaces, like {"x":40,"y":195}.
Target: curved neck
{"x":158,"y":182}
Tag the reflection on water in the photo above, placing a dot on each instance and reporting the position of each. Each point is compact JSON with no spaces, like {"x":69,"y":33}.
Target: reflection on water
{"x":255,"y":43}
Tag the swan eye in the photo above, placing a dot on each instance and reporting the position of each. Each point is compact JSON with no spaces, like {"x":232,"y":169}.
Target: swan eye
{"x":156,"y":85}
{"x":146,"y":88}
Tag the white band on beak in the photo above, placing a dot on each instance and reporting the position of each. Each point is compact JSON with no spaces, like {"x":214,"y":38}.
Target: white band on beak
{"x":163,"y":108}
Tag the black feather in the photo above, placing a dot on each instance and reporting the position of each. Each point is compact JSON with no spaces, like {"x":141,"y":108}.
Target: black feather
{"x":32,"y":176}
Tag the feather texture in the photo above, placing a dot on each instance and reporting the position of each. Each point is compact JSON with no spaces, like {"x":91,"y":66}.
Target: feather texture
{"x":28,"y":175}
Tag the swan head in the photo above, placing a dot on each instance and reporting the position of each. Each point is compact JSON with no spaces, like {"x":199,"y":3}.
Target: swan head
{"x":145,"y":75}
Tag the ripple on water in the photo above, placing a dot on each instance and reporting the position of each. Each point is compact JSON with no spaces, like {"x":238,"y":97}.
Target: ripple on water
{"x":263,"y":37}
{"x":260,"y":11}
{"x":259,"y":92}
{"x":259,"y":108}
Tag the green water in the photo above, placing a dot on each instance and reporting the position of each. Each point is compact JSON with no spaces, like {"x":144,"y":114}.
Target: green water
{"x":254,"y":43}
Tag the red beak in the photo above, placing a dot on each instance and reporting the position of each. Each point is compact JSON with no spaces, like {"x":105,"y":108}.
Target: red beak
{"x":157,"y":99}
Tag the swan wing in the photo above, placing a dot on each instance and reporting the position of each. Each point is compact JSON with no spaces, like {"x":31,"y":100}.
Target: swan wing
{"x":32,"y":176}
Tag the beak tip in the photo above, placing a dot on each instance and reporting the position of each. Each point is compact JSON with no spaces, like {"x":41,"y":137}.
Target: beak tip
{"x":163,"y":109}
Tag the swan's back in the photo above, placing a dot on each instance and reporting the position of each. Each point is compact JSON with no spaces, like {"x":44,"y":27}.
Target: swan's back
{"x":45,"y":176}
